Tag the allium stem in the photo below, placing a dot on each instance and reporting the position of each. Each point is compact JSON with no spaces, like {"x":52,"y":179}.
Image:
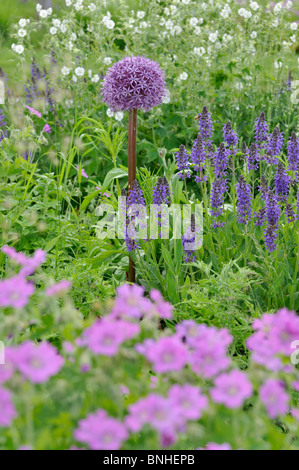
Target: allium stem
{"x":132,"y":133}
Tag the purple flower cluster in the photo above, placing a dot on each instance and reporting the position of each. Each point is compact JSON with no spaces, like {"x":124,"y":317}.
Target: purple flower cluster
{"x":252,"y":157}
{"x":3,"y":124}
{"x":244,"y":201}
{"x":274,"y":146}
{"x":261,"y":131}
{"x":134,"y":82}
{"x":230,"y":136}
{"x":161,"y":196}
{"x":272,"y":216}
{"x":135,"y":198}
{"x":293,"y":152}
{"x":182,"y":160}
{"x":198,"y":158}
{"x":220,"y":161}
{"x":282,"y":182}
{"x":217,"y":199}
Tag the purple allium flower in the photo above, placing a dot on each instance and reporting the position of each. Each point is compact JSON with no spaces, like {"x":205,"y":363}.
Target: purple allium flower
{"x":134,"y":82}
{"x":282,"y":182}
{"x":189,"y":399}
{"x":261,"y":216}
{"x":244,"y":200}
{"x":217,"y":199}
{"x":182,"y":159}
{"x":206,"y":127}
{"x":231,"y":389}
{"x":7,"y":409}
{"x":198,"y":158}
{"x":59,"y":289}
{"x":167,"y":354}
{"x":221,"y":161}
{"x":290,"y":213}
{"x":261,"y":131}
{"x":273,"y":395}
{"x":253,"y":157}
{"x":229,"y":136}
{"x":273,"y":213}
{"x":15,"y":292}
{"x":37,"y":362}
{"x":274,"y":146}
{"x":293,"y":152}
{"x":101,"y":432}
{"x":106,"y":335}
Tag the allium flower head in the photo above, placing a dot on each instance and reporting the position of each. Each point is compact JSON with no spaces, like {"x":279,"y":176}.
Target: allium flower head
{"x":134,"y":82}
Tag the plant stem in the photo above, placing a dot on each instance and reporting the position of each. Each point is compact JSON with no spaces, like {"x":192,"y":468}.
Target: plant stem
{"x":132,"y":132}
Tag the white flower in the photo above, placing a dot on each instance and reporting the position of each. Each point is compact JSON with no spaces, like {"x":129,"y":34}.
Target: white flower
{"x":65,"y":70}
{"x":95,"y":78}
{"x":293,"y":38}
{"x":166,"y":11}
{"x":27,"y":21}
{"x":119,"y":115}
{"x":169,"y":24}
{"x":73,"y":37}
{"x":92,"y":7}
{"x":277,"y":8}
{"x":254,"y":6}
{"x":186,"y":2}
{"x":143,"y":24}
{"x":53,"y":30}
{"x":70,"y":46}
{"x":90,"y":28}
{"x":275,"y":23}
{"x":293,"y":26}
{"x":74,"y":78}
{"x":199,"y":50}
{"x":22,"y":33}
{"x":38,"y":7}
{"x":110,"y":24}
{"x":197,"y":30}
{"x":43,"y":13}
{"x":204,"y":6}
{"x":213,"y":36}
{"x":239,"y":86}
{"x":49,"y":11}
{"x":225,"y":12}
{"x":140,"y":14}
{"x":63,"y":28}
{"x":253,"y":35}
{"x":177,"y":30}
{"x":172,"y":9}
{"x":19,"y":49}
{"x":107,"y":61}
{"x":166,"y":98}
{"x":78,"y":6}
{"x":200,"y":20}
{"x":193,"y":21}
{"x":22,"y":23}
{"x":56,"y":22}
{"x":278,"y":64}
{"x":79,"y":71}
{"x":89,"y":73}
{"x":226,"y":38}
{"x":109,"y":113}
{"x":68,"y":3}
{"x":183,"y":76}
{"x":289,"y":4}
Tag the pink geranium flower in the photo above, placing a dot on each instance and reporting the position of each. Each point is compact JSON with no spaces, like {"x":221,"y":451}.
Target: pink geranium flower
{"x":47,"y":129}
{"x":59,"y":288}
{"x":34,"y":111}
{"x":7,"y":409}
{"x":105,"y":336}
{"x":167,"y":354}
{"x":7,"y":369}
{"x":189,"y":400}
{"x":231,"y":389}
{"x":83,"y":172}
{"x":29,"y":265}
{"x":15,"y":292}
{"x":37,"y":362}
{"x":130,"y":302}
{"x":101,"y":432}
{"x":273,"y":395}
